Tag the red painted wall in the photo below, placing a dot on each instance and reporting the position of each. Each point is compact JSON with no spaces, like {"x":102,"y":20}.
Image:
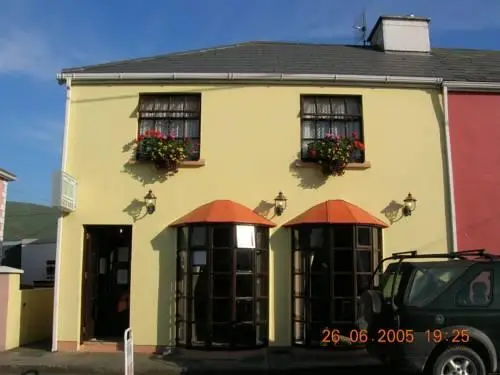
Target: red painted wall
{"x":475,"y":144}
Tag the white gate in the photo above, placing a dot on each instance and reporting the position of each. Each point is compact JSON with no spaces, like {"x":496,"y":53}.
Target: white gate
{"x":128,"y":348}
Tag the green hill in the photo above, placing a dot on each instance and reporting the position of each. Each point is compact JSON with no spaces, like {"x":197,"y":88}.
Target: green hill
{"x":29,"y":220}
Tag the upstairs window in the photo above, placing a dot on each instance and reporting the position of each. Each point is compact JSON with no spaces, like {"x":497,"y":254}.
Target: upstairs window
{"x":323,"y":115}
{"x":175,"y":114}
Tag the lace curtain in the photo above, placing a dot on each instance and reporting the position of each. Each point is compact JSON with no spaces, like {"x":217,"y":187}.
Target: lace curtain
{"x":178,"y":115}
{"x":175,"y":114}
{"x":335,"y":115}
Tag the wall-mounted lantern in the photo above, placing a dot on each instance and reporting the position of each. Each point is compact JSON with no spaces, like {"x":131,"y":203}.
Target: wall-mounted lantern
{"x":410,"y":203}
{"x":150,"y":201}
{"x":279,"y":203}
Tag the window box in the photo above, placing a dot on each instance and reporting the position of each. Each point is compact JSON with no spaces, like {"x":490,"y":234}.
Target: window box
{"x":183,"y":164}
{"x":351,"y":166}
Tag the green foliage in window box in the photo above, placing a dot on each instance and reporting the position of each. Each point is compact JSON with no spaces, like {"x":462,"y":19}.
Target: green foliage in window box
{"x":165,"y":151}
{"x":333,"y":153}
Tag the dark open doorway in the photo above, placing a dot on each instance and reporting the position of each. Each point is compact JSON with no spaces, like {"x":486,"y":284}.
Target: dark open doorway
{"x":106,"y":281}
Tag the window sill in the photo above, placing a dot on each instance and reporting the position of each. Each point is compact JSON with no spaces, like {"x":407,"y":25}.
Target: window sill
{"x":184,"y":164}
{"x":352,"y":166}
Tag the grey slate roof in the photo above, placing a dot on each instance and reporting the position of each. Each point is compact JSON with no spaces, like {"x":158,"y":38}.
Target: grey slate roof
{"x":303,"y":58}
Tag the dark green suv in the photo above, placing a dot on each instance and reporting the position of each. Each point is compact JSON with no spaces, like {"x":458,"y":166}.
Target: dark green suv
{"x":439,"y":315}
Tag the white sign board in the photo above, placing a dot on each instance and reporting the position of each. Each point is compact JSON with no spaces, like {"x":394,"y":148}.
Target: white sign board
{"x":64,"y":191}
{"x":128,"y":346}
{"x":245,"y":237}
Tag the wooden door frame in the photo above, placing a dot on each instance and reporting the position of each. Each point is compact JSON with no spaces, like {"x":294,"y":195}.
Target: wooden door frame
{"x":86,"y":330}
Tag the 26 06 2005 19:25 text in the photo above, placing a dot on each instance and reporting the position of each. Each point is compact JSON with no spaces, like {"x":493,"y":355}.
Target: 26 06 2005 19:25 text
{"x":360,"y":336}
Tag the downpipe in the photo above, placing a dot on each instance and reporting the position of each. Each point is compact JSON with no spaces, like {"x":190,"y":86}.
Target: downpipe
{"x":57,"y":275}
{"x":449,"y":170}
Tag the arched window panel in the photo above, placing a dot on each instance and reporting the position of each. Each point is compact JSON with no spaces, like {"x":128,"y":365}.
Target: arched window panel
{"x":343,"y":236}
{"x":222,"y":261}
{"x":378,"y":250}
{"x":262,"y":262}
{"x":364,"y":237}
{"x":262,"y":238}
{"x":222,"y":236}
{"x":318,"y":238}
{"x":183,"y":238}
{"x":245,"y":260}
{"x":309,"y":236}
{"x":295,"y":239}
{"x":182,"y":264}
{"x":227,"y":292}
{"x":198,"y":236}
{"x":262,"y":286}
{"x":182,"y":286}
{"x":331,"y":266}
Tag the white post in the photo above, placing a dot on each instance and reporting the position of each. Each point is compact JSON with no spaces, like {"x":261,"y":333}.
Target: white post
{"x":128,"y":348}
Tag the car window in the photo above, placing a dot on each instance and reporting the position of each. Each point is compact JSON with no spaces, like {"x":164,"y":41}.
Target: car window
{"x":477,"y":293}
{"x":386,"y":283}
{"x":430,"y":282}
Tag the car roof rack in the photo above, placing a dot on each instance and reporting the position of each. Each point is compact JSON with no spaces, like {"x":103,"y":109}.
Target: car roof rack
{"x":462,"y":254}
{"x":413,"y":254}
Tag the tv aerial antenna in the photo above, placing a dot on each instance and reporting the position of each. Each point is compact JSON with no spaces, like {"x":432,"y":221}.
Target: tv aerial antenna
{"x":360,"y":29}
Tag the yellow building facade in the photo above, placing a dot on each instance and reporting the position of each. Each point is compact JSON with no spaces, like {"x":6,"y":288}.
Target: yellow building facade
{"x":250,"y":149}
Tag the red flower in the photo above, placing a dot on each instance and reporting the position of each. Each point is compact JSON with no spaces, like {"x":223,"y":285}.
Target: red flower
{"x":359,"y":145}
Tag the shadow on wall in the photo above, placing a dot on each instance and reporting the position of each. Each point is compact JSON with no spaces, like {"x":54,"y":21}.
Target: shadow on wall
{"x":393,"y":212}
{"x":165,"y":243}
{"x":280,"y":244}
{"x":145,"y":173}
{"x":309,"y":178}
{"x":136,"y":210}
{"x":265,"y":209}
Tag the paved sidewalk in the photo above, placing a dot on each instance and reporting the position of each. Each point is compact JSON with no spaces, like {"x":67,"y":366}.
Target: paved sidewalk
{"x":290,"y":361}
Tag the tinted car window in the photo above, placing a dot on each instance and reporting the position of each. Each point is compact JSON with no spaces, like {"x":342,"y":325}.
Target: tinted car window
{"x":430,"y":282}
{"x":386,"y":284}
{"x":478,"y":292}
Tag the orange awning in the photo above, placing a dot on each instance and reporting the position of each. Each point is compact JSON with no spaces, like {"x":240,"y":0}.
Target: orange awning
{"x":223,"y":211}
{"x":336,"y":212}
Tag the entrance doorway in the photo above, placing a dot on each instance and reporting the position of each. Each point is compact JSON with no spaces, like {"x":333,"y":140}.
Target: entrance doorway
{"x":106,"y":282}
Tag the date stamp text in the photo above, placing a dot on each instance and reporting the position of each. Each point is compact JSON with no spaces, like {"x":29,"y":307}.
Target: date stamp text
{"x":392,"y":336}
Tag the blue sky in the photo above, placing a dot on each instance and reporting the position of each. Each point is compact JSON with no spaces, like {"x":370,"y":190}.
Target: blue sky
{"x":39,"y":37}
